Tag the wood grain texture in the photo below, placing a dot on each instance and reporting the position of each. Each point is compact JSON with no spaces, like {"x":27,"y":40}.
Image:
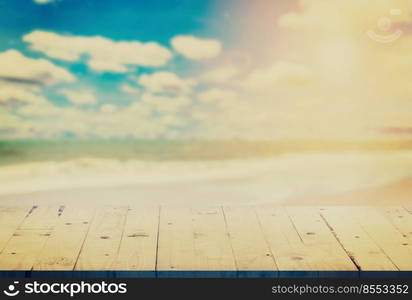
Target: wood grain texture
{"x":288,"y":248}
{"x":10,"y":219}
{"x":396,"y":246}
{"x":400,"y":218}
{"x":27,"y":242}
{"x":367,"y":255}
{"x":326,"y":251}
{"x":250,"y":248}
{"x":102,"y":243}
{"x":194,"y":239}
{"x":62,"y":248}
{"x":205,"y":238}
{"x":212,"y":245}
{"x":138,"y":247}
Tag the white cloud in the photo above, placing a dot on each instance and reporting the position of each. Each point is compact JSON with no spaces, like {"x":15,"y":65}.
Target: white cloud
{"x":166,"y":104}
{"x":7,"y":119}
{"x":44,"y":110}
{"x":221,"y":74}
{"x":128,"y":89}
{"x":10,"y":124}
{"x":82,"y":97}
{"x":50,"y":121}
{"x":108,"y":108}
{"x":279,"y":74}
{"x":141,"y":109}
{"x":217,"y":95}
{"x":196,"y":49}
{"x":171,"y":121}
{"x":329,"y":82}
{"x":103,"y":54}
{"x":15,"y":94}
{"x":166,"y":82}
{"x":44,"y":1}
{"x":15,"y":67}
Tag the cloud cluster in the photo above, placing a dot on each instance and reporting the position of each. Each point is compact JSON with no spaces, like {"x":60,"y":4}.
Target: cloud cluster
{"x":108,"y":108}
{"x":47,"y":120}
{"x":11,"y":95}
{"x":280,"y":74}
{"x":324,"y":77}
{"x":319,"y":71}
{"x":17,"y":68}
{"x":128,"y":89}
{"x":217,"y":95}
{"x":166,"y":104}
{"x":166,"y":82}
{"x":103,"y":54}
{"x":79,"y":97}
{"x":21,"y":78}
{"x":41,"y":2}
{"x":220,"y":74}
{"x":195,"y":48}
{"x":161,"y":99}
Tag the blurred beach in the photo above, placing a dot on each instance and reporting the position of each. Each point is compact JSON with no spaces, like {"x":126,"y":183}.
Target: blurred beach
{"x":131,"y":172}
{"x":214,"y":102}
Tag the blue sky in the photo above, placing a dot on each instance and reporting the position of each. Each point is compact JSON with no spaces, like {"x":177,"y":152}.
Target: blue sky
{"x":144,"y":21}
{"x":117,"y":21}
{"x":215,"y":69}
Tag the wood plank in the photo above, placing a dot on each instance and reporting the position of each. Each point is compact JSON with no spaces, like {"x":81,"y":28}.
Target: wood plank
{"x":63,"y":246}
{"x":386,"y":236}
{"x":400,"y":218}
{"x":250,"y":248}
{"x":27,"y":242}
{"x":213,"y":249}
{"x":357,"y":243}
{"x":139,"y":243}
{"x":176,"y":249}
{"x":194,"y":239}
{"x":205,"y":238}
{"x":103,"y":240}
{"x":42,"y":217}
{"x":285,"y":243}
{"x":327,"y":253}
{"x":10,"y":219}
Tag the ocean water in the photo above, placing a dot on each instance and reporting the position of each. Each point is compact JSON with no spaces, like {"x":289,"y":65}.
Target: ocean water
{"x":188,"y":174}
{"x":22,"y":151}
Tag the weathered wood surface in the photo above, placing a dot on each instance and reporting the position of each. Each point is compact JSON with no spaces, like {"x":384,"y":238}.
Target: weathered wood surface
{"x":209,"y":238}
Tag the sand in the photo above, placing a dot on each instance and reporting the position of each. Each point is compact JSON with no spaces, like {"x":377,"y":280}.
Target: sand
{"x":397,"y":193}
{"x":294,"y":179}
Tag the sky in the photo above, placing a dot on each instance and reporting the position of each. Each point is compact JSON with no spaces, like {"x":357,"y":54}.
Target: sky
{"x":182,"y":69}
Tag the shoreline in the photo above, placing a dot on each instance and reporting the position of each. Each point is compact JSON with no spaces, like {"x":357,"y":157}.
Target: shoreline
{"x":293,"y":179}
